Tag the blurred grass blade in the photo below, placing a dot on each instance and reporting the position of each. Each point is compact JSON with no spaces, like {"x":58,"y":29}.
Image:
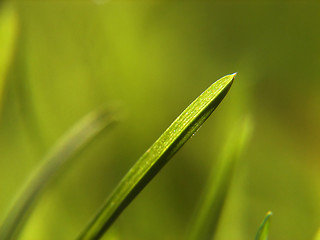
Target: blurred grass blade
{"x":263,"y":230}
{"x":70,"y":144}
{"x":317,"y":236}
{"x":157,"y":156}
{"x":8,"y":36}
{"x":204,"y":223}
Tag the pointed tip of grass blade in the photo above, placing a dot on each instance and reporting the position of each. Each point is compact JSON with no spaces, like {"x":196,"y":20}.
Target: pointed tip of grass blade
{"x":263,"y":230}
{"x":229,"y":77}
{"x":269,"y":214}
{"x":225,"y":82}
{"x":187,"y":123}
{"x":234,"y":74}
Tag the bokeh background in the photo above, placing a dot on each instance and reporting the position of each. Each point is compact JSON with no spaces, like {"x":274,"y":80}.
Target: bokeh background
{"x":149,"y":60}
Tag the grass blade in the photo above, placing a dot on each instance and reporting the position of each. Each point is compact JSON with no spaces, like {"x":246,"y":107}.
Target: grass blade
{"x":157,"y":156}
{"x":8,"y":36}
{"x":206,"y":219}
{"x":71,"y":143}
{"x":317,"y":236}
{"x":263,"y":230}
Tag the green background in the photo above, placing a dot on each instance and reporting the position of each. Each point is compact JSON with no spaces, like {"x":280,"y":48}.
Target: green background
{"x":149,"y":60}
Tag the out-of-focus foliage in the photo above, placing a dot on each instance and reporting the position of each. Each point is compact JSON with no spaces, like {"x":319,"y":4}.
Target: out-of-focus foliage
{"x":205,"y":222}
{"x":79,"y":136}
{"x":8,"y":34}
{"x":317,"y":236}
{"x":153,"y":59}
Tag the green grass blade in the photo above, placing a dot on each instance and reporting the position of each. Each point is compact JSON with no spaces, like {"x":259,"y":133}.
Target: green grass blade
{"x":204,"y":223}
{"x":71,"y":143}
{"x":263,"y":230}
{"x":8,"y":36}
{"x":317,"y":236}
{"x":157,"y":156}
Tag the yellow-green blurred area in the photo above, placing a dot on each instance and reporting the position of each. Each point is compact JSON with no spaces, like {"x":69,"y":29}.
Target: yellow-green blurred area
{"x":63,"y":59}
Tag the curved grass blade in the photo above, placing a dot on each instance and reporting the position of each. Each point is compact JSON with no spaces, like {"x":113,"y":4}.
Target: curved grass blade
{"x":8,"y":36}
{"x":206,"y":219}
{"x":157,"y":156}
{"x":71,"y":143}
{"x":263,"y":230}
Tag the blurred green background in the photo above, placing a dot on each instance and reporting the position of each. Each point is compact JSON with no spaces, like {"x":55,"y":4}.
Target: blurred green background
{"x":63,"y":59}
